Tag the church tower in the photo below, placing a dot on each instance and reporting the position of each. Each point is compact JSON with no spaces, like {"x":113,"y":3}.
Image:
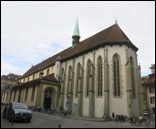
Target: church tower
{"x":76,"y":34}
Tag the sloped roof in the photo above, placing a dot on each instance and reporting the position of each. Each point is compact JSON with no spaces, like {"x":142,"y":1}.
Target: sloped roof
{"x":112,"y":35}
{"x":11,"y":76}
{"x":50,"y":78}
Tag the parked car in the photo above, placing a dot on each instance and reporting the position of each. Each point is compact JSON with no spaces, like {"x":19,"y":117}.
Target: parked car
{"x":17,"y":111}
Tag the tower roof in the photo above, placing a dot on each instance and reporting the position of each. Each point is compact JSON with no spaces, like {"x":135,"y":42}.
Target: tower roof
{"x":76,"y":29}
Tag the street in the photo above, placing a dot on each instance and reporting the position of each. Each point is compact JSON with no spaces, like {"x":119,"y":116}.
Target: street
{"x":41,"y":120}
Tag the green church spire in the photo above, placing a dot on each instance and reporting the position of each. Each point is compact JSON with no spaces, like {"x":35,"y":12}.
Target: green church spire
{"x":76,"y":29}
{"x":76,"y":34}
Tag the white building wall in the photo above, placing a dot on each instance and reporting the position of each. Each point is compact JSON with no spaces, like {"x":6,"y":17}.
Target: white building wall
{"x":116,"y":102}
{"x":99,"y":101}
{"x":86,"y":107}
{"x":69,"y":63}
{"x":77,"y":60}
{"x":135,"y":103}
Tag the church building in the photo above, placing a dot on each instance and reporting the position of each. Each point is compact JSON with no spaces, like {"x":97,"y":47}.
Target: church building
{"x":95,"y":76}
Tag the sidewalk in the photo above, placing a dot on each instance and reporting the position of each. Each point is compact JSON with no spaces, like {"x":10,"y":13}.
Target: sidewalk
{"x":88,"y":118}
{"x":152,"y":124}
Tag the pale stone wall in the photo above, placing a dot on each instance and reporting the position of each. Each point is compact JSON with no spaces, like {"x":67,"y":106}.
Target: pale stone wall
{"x":119,"y":102}
{"x":118,"y":105}
{"x":114,"y":102}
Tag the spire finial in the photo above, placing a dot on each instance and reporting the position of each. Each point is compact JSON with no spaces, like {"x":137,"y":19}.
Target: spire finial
{"x":76,"y":34}
{"x":76,"y":29}
{"x":116,"y":22}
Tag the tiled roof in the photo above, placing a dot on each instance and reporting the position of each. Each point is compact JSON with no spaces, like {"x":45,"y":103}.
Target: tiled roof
{"x":113,"y":35}
{"x":11,"y":76}
{"x":50,"y":78}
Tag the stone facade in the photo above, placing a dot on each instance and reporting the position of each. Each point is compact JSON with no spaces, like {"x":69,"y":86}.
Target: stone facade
{"x":96,"y":76}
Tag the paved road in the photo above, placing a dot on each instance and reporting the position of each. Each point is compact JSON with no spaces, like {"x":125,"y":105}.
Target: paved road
{"x":41,"y":120}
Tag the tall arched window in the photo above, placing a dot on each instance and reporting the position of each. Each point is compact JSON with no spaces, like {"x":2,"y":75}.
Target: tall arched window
{"x":69,"y":90}
{"x":78,"y":80}
{"x":99,"y":72}
{"x":116,"y":75}
{"x":132,"y":76}
{"x":89,"y":76}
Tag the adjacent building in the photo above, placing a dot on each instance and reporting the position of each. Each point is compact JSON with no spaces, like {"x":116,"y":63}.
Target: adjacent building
{"x":7,"y":82}
{"x":148,"y":84}
{"x":95,"y":76}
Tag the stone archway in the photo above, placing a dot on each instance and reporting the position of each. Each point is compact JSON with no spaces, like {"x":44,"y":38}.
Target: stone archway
{"x":49,"y":98}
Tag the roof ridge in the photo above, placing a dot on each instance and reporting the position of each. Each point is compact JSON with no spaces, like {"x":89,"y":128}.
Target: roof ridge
{"x":112,"y":34}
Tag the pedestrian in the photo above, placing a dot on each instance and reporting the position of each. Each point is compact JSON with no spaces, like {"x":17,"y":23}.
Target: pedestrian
{"x":59,"y":126}
{"x":119,"y":118}
{"x":113,"y":115}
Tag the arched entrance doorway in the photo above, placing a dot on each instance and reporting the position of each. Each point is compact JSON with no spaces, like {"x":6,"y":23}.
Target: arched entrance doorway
{"x":48,"y":99}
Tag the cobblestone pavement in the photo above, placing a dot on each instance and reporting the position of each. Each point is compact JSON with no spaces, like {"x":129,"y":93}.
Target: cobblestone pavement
{"x":44,"y":120}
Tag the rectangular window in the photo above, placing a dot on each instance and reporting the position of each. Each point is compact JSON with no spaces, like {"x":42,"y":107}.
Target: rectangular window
{"x":151,"y":89}
{"x":152,"y":100}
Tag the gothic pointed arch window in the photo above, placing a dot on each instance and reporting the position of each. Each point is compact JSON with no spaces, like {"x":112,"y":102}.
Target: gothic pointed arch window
{"x":89,"y":76}
{"x":69,"y":90}
{"x":116,"y":75}
{"x":132,"y":76}
{"x":78,"y":79}
{"x":99,"y":73}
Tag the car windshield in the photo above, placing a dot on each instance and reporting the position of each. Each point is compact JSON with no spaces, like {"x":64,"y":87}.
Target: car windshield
{"x":19,"y":106}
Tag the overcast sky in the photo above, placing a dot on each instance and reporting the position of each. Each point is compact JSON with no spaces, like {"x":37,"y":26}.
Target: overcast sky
{"x":34,"y":31}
